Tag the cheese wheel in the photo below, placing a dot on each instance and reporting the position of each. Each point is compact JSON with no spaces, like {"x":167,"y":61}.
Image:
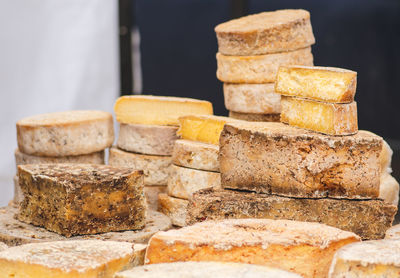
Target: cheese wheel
{"x":174,"y":208}
{"x":151,"y":193}
{"x":252,"y":117}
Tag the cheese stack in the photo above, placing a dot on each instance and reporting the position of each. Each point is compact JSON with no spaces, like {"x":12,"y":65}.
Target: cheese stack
{"x":62,"y":137}
{"x":251,"y":49}
{"x":148,"y":126}
{"x":195,"y":163}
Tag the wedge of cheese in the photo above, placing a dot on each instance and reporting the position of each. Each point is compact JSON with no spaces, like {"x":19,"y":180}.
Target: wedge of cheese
{"x":183,"y":182}
{"x":205,"y":270}
{"x":157,"y":110}
{"x":327,"y":118}
{"x":253,"y":117}
{"x":375,"y":258}
{"x":196,"y":155}
{"x":90,"y":258}
{"x":202,"y":128}
{"x":303,"y":248}
{"x":151,"y":193}
{"x":325,"y":84}
{"x":174,"y":208}
{"x":389,"y":189}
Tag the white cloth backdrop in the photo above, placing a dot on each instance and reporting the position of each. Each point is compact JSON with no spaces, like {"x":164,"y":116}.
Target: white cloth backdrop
{"x":55,"y":55}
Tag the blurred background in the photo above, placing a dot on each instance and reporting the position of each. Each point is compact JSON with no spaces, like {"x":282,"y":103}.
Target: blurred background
{"x":70,"y":54}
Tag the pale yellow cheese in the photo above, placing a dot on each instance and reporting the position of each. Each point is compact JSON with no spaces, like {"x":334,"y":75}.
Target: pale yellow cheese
{"x":158,"y":110}
{"x":320,"y":83}
{"x":327,"y":118}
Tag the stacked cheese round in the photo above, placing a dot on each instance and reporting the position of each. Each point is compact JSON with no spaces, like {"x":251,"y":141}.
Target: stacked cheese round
{"x":63,"y":137}
{"x":250,"y":51}
{"x":148,"y":126}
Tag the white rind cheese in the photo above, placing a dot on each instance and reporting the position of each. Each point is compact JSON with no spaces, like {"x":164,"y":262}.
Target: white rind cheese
{"x":174,"y":208}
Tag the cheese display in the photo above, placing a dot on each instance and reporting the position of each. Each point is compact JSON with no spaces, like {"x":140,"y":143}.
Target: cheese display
{"x":210,"y":204}
{"x":252,"y":98}
{"x":90,"y":258}
{"x":76,"y":199}
{"x":376,"y":258}
{"x":147,"y":139}
{"x":174,"y":208}
{"x":205,"y":270}
{"x":253,"y":117}
{"x":284,"y":160}
{"x":327,"y":118}
{"x":303,"y":248}
{"x":318,"y":83}
{"x":156,"y":168}
{"x":157,"y":110}
{"x":260,"y":68}
{"x":92,"y":158}
{"x":267,"y":32}
{"x":196,"y":155}
{"x":183,"y":182}
{"x":151,"y":193}
{"x":65,"y":133}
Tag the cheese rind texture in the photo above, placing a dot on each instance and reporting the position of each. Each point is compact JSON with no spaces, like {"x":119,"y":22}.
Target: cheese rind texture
{"x":389,"y":189}
{"x":259,"y":69}
{"x":183,"y":182}
{"x":157,"y":110}
{"x":90,"y":258}
{"x":205,"y":270}
{"x":65,"y":133}
{"x":147,"y":139}
{"x":304,"y":248}
{"x":78,"y":199}
{"x":252,"y":117}
{"x":325,"y":84}
{"x":375,"y":258}
{"x":174,"y":208}
{"x":267,"y":32}
{"x":367,"y":218}
{"x":156,"y":168}
{"x":327,"y":118}
{"x":151,"y":193}
{"x":252,"y":98}
{"x":196,"y":155}
{"x":279,"y":159}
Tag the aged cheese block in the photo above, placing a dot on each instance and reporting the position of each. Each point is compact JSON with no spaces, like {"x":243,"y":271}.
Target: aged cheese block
{"x":183,"y":182}
{"x":77,"y":199}
{"x":303,"y":248}
{"x":157,"y":110}
{"x":255,"y":117}
{"x":3,"y":246}
{"x":140,"y":252}
{"x":327,"y":118}
{"x":319,"y":83}
{"x":266,"y":32}
{"x":375,"y":258}
{"x":389,"y":189}
{"x":14,"y":232}
{"x":174,"y":208}
{"x":386,"y":158}
{"x":203,"y":128}
{"x":90,"y":258}
{"x":156,"y":168}
{"x":205,"y":270}
{"x":151,"y":193}
{"x":393,"y":232}
{"x":65,"y":133}
{"x":252,"y":98}
{"x":373,"y":217}
{"x":280,"y":159}
{"x":147,"y":139}
{"x":196,"y":155}
{"x":261,"y":68}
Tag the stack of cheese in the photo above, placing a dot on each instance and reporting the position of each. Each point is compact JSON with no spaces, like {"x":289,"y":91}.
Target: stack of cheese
{"x":306,"y":175}
{"x":147,"y":136}
{"x":62,"y":137}
{"x":195,"y":163}
{"x":251,"y":49}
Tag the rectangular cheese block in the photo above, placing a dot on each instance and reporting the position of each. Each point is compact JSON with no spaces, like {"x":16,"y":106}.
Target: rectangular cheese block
{"x":174,"y":208}
{"x":375,"y":258}
{"x":303,"y":248}
{"x":254,"y":117}
{"x":327,"y":118}
{"x":373,"y":217}
{"x":158,"y":110}
{"x":279,"y":159}
{"x":201,"y":128}
{"x":76,"y":199}
{"x":325,"y":84}
{"x":64,"y":259}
